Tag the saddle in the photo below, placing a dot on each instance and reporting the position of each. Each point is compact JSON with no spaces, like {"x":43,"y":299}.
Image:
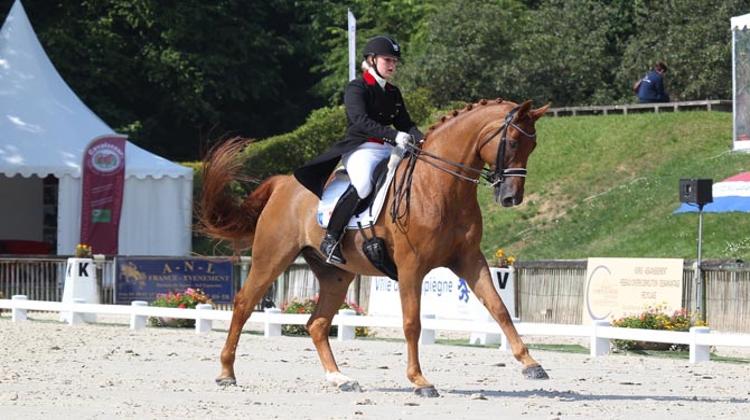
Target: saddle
{"x":365,"y":215}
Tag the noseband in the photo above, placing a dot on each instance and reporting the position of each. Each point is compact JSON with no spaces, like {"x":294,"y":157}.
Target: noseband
{"x":497,"y":176}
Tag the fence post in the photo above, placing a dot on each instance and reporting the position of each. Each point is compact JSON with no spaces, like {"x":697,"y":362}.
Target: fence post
{"x":699,"y":353}
{"x":599,"y":346}
{"x":19,"y":314}
{"x":271,"y":329}
{"x":203,"y":325}
{"x":346,"y":332}
{"x":428,"y":335}
{"x":138,"y":321}
{"x":485,"y":338}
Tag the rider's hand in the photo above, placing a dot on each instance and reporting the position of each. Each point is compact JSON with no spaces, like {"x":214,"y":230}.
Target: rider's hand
{"x":402,"y":139}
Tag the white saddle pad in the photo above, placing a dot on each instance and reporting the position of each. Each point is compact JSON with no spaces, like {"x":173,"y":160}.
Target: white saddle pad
{"x":333,"y":192}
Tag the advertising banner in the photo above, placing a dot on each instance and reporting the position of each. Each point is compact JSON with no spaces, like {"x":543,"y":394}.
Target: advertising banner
{"x":444,"y":295}
{"x":103,"y":181}
{"x":617,"y":287}
{"x":144,"y":278}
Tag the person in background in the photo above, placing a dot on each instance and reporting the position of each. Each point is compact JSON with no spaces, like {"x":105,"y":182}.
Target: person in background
{"x":377,"y":121}
{"x":652,"y":85}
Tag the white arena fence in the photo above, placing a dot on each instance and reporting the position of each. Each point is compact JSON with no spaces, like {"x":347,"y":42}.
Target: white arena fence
{"x":699,"y":339}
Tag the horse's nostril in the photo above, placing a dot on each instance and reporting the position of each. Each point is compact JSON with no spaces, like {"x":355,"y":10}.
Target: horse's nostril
{"x":508,"y":202}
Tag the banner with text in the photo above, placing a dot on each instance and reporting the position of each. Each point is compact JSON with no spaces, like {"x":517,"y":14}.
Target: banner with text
{"x":103,"y":181}
{"x":144,"y":278}
{"x":617,"y":287}
{"x":444,"y":295}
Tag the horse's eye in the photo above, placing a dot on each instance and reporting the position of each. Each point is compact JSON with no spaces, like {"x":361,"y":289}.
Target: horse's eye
{"x":513,"y":144}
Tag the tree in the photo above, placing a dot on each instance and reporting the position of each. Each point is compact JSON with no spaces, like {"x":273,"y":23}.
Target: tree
{"x":694,"y":39}
{"x":403,"y":20}
{"x":465,"y":51}
{"x":173,"y":75}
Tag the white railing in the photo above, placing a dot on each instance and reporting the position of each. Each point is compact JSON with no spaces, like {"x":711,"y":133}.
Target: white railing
{"x":699,"y":339}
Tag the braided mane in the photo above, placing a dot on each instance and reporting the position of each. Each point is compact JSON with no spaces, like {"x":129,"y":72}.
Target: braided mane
{"x":455,"y":113}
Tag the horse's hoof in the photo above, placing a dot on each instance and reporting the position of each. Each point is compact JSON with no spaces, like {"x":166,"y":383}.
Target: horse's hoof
{"x":535,"y":372}
{"x":350,"y":386}
{"x":429,"y":392}
{"x":226,"y":382}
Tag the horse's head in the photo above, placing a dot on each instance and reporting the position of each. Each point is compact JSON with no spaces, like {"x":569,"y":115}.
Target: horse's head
{"x":506,"y":147}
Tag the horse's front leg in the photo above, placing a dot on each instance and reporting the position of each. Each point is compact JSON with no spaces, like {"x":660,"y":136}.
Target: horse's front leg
{"x":485,"y":291}
{"x":410,"y":292}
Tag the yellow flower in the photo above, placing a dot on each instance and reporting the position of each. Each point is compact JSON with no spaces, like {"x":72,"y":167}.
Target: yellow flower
{"x":499,"y":253}
{"x":511,"y":260}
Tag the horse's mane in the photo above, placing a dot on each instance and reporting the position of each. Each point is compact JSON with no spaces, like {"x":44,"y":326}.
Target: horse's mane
{"x":453,"y":114}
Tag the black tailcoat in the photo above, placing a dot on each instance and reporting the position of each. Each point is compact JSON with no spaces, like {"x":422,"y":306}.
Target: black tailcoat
{"x":370,"y":113}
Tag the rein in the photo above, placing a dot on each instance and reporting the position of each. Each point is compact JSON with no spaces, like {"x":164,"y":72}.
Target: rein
{"x":402,"y":188}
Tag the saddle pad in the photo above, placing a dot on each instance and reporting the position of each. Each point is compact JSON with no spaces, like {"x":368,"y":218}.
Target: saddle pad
{"x":337,"y":187}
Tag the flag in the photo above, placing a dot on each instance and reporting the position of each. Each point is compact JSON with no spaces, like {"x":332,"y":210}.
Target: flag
{"x":352,"y":45}
{"x":103,"y":182}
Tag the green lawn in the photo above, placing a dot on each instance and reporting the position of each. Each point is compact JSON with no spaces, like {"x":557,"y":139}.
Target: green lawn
{"x":606,"y":186}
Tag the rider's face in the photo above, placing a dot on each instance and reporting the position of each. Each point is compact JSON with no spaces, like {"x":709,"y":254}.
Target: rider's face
{"x":386,"y":65}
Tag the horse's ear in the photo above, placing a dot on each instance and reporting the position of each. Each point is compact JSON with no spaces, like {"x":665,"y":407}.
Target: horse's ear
{"x":539,"y":112}
{"x":525,"y":107}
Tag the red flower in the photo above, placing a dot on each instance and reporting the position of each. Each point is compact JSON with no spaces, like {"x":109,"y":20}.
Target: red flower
{"x":182,"y":305}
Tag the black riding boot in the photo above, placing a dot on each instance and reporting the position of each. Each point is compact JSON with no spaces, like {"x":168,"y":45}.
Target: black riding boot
{"x":343,"y":211}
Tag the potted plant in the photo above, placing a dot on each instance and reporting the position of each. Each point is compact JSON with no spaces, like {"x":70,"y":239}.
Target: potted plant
{"x":82,"y":251}
{"x":502,"y":260}
{"x":190,"y":298}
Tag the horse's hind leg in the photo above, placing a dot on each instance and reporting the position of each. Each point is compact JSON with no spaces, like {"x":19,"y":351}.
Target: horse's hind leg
{"x":266,"y":267}
{"x":334,"y":284}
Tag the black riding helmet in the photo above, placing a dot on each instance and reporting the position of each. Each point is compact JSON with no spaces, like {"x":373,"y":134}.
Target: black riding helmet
{"x":382,"y":45}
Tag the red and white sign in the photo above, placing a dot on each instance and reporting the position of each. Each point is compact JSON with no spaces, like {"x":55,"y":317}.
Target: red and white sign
{"x":103,"y":182}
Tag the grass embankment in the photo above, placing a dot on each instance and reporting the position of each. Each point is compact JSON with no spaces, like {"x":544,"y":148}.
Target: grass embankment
{"x":606,"y":186}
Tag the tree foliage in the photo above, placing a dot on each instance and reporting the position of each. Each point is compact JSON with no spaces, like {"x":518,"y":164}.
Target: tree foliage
{"x":178,"y":75}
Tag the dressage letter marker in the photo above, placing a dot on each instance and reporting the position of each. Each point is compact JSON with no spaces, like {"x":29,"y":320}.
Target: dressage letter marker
{"x":80,"y":286}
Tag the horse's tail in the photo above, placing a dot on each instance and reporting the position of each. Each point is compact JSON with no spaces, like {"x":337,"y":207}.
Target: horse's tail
{"x":221,"y":215}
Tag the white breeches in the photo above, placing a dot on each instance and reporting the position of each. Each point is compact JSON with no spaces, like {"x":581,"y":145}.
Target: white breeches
{"x":361,"y":162}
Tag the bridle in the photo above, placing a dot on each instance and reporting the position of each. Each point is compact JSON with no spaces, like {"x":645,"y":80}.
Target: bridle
{"x":497,"y":176}
{"x":493,"y":177}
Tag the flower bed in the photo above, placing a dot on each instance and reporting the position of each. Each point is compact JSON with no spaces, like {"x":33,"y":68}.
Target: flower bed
{"x":656,"y":318}
{"x":307,"y":306}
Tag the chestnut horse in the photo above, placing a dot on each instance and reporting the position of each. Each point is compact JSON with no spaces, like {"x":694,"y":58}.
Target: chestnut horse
{"x":439,"y":224}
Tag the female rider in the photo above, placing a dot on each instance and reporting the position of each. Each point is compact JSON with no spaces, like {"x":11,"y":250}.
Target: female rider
{"x":377,"y":120}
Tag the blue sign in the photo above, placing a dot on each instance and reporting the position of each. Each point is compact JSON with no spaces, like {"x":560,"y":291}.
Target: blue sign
{"x":144,"y":278}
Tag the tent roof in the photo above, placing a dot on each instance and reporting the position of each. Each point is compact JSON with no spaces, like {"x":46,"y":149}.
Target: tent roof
{"x":740,"y":22}
{"x":44,"y":126}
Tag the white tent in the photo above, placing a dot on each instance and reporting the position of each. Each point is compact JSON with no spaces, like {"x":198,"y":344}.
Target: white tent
{"x":44,"y":130}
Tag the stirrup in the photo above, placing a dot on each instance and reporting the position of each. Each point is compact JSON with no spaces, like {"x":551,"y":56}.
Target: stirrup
{"x":331,"y":249}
